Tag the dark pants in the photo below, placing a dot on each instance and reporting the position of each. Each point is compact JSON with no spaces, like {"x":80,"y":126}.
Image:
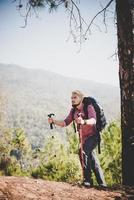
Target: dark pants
{"x":91,"y":162}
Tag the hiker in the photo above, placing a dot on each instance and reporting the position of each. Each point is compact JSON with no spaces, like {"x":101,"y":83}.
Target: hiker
{"x":89,"y":138}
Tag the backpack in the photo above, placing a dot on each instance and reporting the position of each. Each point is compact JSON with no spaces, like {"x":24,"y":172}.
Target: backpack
{"x":100,"y":116}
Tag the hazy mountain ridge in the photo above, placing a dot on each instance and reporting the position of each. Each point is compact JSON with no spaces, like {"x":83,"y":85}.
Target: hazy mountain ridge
{"x":32,"y":94}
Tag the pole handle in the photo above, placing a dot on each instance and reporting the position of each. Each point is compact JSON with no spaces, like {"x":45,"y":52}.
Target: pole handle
{"x":50,"y":115}
{"x":51,"y":126}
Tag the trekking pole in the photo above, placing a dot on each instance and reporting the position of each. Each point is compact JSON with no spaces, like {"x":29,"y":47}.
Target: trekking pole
{"x":81,"y":146}
{"x":50,"y":115}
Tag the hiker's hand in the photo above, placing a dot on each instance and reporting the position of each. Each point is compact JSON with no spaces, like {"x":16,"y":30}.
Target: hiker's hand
{"x":50,"y":120}
{"x":79,"y":120}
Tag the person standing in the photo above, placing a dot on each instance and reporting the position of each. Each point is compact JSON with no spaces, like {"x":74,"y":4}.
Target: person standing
{"x":88,"y":138}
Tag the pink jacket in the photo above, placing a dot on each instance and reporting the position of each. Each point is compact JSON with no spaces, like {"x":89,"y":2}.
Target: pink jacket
{"x":87,"y":130}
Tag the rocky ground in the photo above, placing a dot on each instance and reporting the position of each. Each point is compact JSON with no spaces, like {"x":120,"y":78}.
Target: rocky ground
{"x":23,"y":188}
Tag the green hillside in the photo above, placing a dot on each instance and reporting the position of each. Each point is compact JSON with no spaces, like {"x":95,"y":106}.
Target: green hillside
{"x":29,"y":95}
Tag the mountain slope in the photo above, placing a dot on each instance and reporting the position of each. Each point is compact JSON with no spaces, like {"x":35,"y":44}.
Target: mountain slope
{"x":32,"y":94}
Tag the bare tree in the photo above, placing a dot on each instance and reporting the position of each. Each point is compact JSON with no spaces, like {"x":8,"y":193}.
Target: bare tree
{"x":125,"y":33}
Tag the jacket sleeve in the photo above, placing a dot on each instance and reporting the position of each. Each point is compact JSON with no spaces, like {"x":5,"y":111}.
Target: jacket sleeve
{"x":69,"y":118}
{"x":91,"y":112}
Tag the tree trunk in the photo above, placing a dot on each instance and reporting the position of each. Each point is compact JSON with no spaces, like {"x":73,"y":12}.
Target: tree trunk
{"x":125,"y":32}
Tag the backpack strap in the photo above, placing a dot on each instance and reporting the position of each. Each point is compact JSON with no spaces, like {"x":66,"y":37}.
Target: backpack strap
{"x":86,"y":103}
{"x":99,"y":141}
{"x":73,"y":111}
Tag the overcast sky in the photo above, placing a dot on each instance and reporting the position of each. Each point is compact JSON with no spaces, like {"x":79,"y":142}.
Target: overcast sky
{"x":44,"y":43}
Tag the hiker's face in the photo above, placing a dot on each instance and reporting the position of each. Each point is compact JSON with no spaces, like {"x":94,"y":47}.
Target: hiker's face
{"x":76,"y":100}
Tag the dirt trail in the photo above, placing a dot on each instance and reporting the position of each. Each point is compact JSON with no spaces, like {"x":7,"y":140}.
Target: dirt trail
{"x":23,"y":188}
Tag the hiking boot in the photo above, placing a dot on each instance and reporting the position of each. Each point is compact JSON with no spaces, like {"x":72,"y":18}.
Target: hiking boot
{"x":86,"y":184}
{"x":103,"y":185}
